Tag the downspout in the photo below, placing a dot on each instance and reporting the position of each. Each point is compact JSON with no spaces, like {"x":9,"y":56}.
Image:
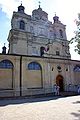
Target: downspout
{"x":20,"y":75}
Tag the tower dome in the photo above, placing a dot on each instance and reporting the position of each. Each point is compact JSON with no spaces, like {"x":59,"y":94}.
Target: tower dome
{"x":39,"y":14}
{"x":21,"y":8}
{"x":4,"y":49}
{"x":55,"y":18}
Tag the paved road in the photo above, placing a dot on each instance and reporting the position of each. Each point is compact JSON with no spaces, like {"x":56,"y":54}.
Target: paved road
{"x":48,"y":108}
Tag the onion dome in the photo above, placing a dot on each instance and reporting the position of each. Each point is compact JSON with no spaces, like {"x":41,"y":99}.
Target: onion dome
{"x":56,"y":19}
{"x":4,"y":49}
{"x":21,"y":8}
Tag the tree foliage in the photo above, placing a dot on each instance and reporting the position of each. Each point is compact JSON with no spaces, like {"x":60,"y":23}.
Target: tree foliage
{"x":77,"y":36}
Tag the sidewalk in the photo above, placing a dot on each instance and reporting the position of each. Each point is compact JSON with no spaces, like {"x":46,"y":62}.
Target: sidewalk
{"x":46,"y":108}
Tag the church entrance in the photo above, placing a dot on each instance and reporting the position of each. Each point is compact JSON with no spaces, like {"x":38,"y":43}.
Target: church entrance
{"x":59,"y":82}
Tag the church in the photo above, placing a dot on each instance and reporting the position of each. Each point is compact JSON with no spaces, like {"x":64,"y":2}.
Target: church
{"x":38,"y":56}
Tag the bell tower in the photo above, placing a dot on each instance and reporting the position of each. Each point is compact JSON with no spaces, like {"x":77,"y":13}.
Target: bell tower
{"x":60,"y":45}
{"x":60,"y":28}
{"x":17,"y":35}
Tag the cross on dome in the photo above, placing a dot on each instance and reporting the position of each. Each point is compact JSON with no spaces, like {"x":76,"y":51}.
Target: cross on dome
{"x":39,"y":3}
{"x":4,"y":44}
{"x":21,"y":2}
{"x":21,"y":8}
{"x":55,"y":13}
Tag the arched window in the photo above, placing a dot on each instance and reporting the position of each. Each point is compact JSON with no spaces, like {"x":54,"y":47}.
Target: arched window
{"x":6,"y":64}
{"x":22,"y":25}
{"x":42,"y":51}
{"x":57,"y":52}
{"x":34,"y":66}
{"x":61,"y":33}
{"x":76,"y":68}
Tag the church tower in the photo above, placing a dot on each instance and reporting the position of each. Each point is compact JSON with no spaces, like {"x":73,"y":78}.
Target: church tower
{"x":36,"y":35}
{"x":17,"y":36}
{"x":59,"y":46}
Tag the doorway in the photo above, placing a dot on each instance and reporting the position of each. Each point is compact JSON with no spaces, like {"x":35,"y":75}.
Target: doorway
{"x":59,"y":82}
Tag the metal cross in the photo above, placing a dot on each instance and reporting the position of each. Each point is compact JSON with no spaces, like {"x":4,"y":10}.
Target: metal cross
{"x":4,"y":44}
{"x":21,"y":2}
{"x":39,"y":4}
{"x":55,"y":13}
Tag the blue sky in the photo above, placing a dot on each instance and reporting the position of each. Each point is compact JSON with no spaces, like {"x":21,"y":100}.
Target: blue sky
{"x":67,"y":10}
{"x":4,"y":28}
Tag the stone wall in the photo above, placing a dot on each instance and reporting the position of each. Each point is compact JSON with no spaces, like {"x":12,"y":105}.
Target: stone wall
{"x":22,"y":81}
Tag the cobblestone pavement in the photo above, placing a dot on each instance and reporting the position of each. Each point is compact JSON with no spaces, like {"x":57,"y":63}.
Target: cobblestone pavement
{"x":47,"y":108}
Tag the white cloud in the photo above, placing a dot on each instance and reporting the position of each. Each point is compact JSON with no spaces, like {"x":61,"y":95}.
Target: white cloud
{"x":8,"y":6}
{"x":68,"y":11}
{"x":74,"y":54}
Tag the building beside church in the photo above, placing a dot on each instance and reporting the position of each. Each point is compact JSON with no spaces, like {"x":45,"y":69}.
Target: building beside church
{"x":38,"y":56}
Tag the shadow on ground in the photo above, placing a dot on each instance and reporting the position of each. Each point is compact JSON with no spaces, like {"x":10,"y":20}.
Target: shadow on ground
{"x":77,"y":115}
{"x":77,"y":102}
{"x":39,"y":98}
{"x":12,"y":101}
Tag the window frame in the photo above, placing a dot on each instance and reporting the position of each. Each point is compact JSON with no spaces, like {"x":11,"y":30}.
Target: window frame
{"x":34,"y":66}
{"x":61,"y":33}
{"x":22,"y":25}
{"x":76,"y":68}
{"x":6,"y":64}
{"x":57,"y":53}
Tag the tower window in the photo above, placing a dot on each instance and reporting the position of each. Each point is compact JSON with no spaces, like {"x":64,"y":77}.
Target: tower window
{"x":54,"y":35}
{"x":31,"y":29}
{"x":42,"y":51}
{"x":57,"y":53}
{"x":22,"y":25}
{"x":34,"y":51}
{"x":61,"y":33}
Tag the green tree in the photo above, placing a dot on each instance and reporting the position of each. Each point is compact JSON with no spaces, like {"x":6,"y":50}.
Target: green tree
{"x":76,"y":38}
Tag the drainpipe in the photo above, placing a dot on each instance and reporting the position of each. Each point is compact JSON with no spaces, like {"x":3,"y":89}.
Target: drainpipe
{"x":20,"y":75}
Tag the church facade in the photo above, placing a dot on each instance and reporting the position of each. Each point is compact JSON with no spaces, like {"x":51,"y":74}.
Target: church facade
{"x":38,"y":56}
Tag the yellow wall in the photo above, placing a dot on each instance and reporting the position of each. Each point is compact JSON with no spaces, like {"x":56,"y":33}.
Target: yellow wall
{"x":5,"y":78}
{"x":33,"y":79}
{"x":41,"y":80}
{"x":10,"y":79}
